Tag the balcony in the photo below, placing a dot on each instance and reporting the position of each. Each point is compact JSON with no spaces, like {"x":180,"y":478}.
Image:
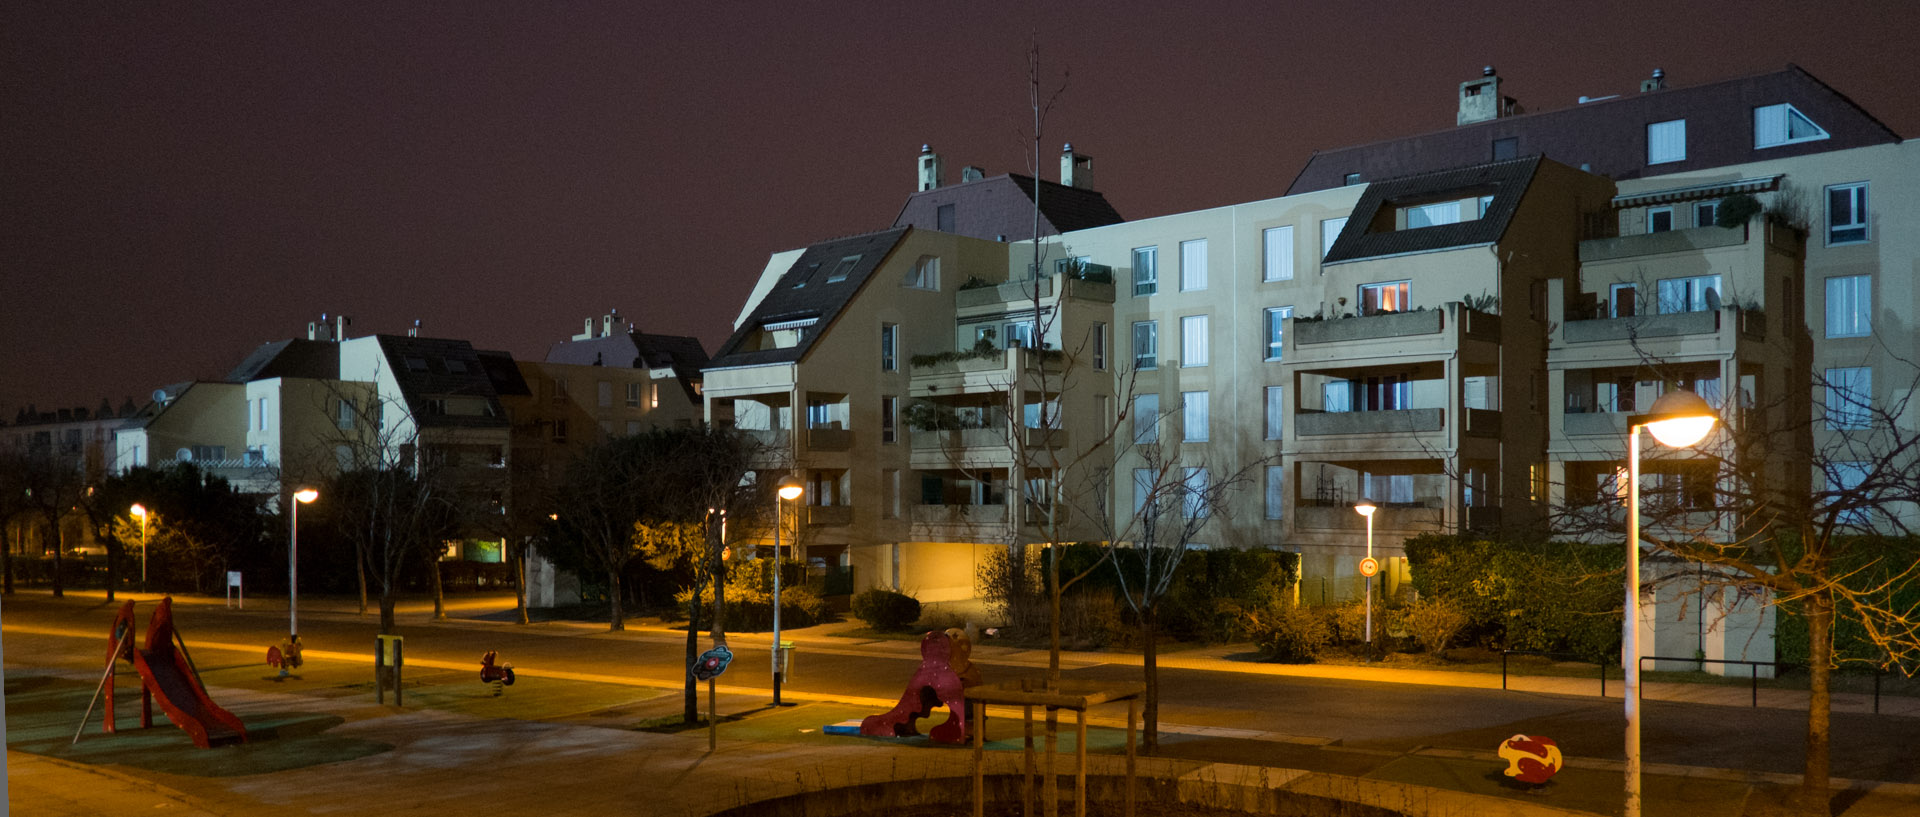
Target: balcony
{"x":959,"y":514}
{"x":1009,"y":292}
{"x":1596,"y":424}
{"x":1395,"y":517}
{"x":1409,"y":421}
{"x":822,"y":515}
{"x":767,"y":437}
{"x":1348,"y":330}
{"x":1671,"y":241}
{"x":829,"y":439}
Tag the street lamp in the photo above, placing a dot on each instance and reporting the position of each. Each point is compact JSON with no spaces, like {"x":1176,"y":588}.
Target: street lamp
{"x":140,"y":510}
{"x":1368,"y":567}
{"x":790,"y":488}
{"x":300,"y":497}
{"x":1679,"y":419}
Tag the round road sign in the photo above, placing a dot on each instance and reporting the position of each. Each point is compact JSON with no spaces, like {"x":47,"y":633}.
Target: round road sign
{"x":1369,"y":566}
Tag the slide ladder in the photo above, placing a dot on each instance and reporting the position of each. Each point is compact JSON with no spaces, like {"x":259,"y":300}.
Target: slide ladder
{"x":168,"y":676}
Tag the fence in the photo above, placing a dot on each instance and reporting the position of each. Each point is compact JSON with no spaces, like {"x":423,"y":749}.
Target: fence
{"x":1754,"y":667}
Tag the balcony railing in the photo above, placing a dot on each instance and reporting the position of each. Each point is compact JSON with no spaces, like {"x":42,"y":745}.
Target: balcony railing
{"x":1596,"y":424}
{"x":829,"y":439}
{"x":1347,"y":330}
{"x":1643,"y":326}
{"x":960,"y":514}
{"x":767,"y":437}
{"x":829,"y":515}
{"x":1316,"y":424}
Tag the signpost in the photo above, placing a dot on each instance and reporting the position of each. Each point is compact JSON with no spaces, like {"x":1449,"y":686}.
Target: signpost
{"x":233,"y":589}
{"x":706,"y":668}
{"x":1369,"y":566}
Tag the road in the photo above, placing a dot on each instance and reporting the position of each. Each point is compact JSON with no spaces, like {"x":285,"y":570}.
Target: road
{"x":1363,"y":719}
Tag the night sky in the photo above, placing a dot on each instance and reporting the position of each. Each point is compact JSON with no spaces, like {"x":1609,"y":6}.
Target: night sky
{"x":184,"y":182}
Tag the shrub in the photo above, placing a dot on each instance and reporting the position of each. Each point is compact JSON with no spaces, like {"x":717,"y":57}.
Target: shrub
{"x":886,"y":610}
{"x":1736,"y":209}
{"x":1347,"y":623}
{"x":1434,"y":622}
{"x":1288,"y":633}
{"x":1548,"y":596}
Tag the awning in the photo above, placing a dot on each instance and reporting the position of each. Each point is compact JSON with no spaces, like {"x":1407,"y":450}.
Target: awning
{"x":1696,"y":192}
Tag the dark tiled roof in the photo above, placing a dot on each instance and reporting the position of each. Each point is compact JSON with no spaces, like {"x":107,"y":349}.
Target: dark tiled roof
{"x":1505,"y":181}
{"x":1001,"y":208}
{"x":817,"y":299}
{"x":637,"y":350}
{"x":451,"y":369}
{"x":504,"y":374}
{"x":315,"y":359}
{"x":1610,"y":137}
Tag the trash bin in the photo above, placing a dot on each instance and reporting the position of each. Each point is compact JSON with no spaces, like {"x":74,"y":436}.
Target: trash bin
{"x":786,"y":660}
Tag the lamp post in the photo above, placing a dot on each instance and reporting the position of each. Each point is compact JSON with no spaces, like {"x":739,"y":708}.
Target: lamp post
{"x":1678,"y":419}
{"x":790,"y":488}
{"x":140,"y":510}
{"x":300,"y":497}
{"x":1366,"y":509}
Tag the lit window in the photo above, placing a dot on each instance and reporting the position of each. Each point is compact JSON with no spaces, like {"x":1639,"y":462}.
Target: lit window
{"x":1849,"y":306}
{"x":1847,"y":213}
{"x":1699,"y":293}
{"x":1193,"y":265}
{"x":1783,"y":124}
{"x":1146,"y":274}
{"x":1278,"y":245}
{"x":1379,"y":298}
{"x":1667,"y":142}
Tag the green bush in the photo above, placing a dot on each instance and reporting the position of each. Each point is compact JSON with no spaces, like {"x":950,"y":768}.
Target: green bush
{"x":886,"y":610}
{"x":1434,"y":623}
{"x":1547,"y":596}
{"x":1288,"y":633}
{"x":1347,"y":623}
{"x":1735,"y":210}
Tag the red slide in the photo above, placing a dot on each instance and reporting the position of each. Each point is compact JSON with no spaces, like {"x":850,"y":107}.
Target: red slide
{"x":171,"y":679}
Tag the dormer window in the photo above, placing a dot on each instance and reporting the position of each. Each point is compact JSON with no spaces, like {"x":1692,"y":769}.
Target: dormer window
{"x":416,"y":364}
{"x":843,"y":269}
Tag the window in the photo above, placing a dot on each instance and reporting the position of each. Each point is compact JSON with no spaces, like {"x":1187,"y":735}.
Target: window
{"x":1044,"y":414}
{"x":1849,"y":397}
{"x":1145,"y":345}
{"x":1433,"y":215}
{"x":1142,"y":488}
{"x":1277,"y":318}
{"x":1700,"y":293}
{"x":1388,"y":297}
{"x":1847,"y":213}
{"x":1659,"y":219}
{"x":653,"y":395}
{"x":1329,"y":233}
{"x":1193,"y":410}
{"x":1193,"y":341}
{"x":1097,"y":338}
{"x":1706,"y":214}
{"x":1623,"y":299}
{"x":262,"y":414}
{"x":889,"y":337}
{"x":890,"y":497}
{"x":633,"y":428}
{"x":819,"y":414}
{"x":1021,"y":334}
{"x":1193,"y":265}
{"x":1843,"y":477}
{"x":1276,"y":490}
{"x":1146,"y":419}
{"x":1146,"y":274}
{"x":1336,"y":396}
{"x":1193,"y":493}
{"x":344,"y":418}
{"x":1508,"y":148}
{"x":1278,"y":245}
{"x":943,"y":218}
{"x":456,"y":366}
{"x":1783,"y":124}
{"x":1849,"y":306}
{"x":925,"y":274}
{"x":1350,"y":178}
{"x":843,"y":269}
{"x":1276,"y":412}
{"x":633,"y":395}
{"x":416,"y":364}
{"x":559,"y":431}
{"x":1667,"y":141}
{"x":559,"y":390}
{"x":889,"y":419}
{"x":605,"y":393}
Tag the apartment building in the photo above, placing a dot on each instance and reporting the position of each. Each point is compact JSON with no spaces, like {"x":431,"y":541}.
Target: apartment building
{"x":1453,"y":326}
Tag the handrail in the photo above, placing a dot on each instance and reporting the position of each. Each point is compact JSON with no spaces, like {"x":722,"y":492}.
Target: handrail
{"x":1577,"y":657}
{"x":1755,"y":665}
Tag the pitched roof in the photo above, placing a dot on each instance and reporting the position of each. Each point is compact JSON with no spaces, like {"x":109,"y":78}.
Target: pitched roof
{"x":1505,"y":181}
{"x":316,"y":359}
{"x":1609,"y":137}
{"x":1000,"y":208}
{"x":429,"y":368}
{"x":804,"y":296}
{"x":636,"y":350}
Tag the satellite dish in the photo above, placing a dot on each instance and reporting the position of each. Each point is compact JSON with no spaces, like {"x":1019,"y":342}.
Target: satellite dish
{"x":160,"y":396}
{"x":184,"y":455}
{"x":1713,"y":300}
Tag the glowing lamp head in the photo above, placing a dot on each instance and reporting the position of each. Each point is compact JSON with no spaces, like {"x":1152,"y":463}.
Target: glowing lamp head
{"x":1365,"y":509}
{"x":1679,"y":419}
{"x":306,"y":495}
{"x":138,"y":510}
{"x":790,"y":488}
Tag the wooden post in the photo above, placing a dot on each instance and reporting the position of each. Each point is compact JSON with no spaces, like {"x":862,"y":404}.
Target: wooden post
{"x":713,"y":721}
{"x":979,"y":756}
{"x":1080,"y":764}
{"x":1133,"y":708}
{"x":1026,"y":783}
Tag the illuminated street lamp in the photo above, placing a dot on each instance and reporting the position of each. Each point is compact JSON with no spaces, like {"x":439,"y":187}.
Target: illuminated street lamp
{"x":790,"y":488}
{"x":300,"y":497}
{"x":1368,"y":567}
{"x":1679,"y":419}
{"x":140,"y":510}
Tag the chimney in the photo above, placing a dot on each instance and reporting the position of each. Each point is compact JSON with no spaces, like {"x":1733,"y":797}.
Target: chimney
{"x":586,"y":333}
{"x":930,"y":170}
{"x":1658,"y":82}
{"x":1480,"y":99}
{"x":608,"y":322}
{"x":972,"y":173}
{"x":415,"y":331}
{"x":340,"y":324}
{"x":1076,"y":169}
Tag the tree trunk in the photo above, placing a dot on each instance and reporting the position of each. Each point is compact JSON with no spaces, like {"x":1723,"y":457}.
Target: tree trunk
{"x":113,"y":549}
{"x":59,"y":544}
{"x":1150,"y":633}
{"x":616,"y":621}
{"x":386,"y":613}
{"x":1814,"y":793}
{"x":520,"y":583}
{"x":439,"y":593}
{"x":691,"y":713}
{"x":6,"y":560}
{"x":360,"y":566}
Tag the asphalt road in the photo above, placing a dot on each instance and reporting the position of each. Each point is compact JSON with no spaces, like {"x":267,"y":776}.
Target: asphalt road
{"x":1365,"y":718}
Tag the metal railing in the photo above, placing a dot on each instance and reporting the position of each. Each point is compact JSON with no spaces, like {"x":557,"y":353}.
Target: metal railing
{"x":1561,"y":655}
{"x":1753,"y":666}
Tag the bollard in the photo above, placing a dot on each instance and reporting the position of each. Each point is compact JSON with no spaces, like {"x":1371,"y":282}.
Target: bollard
{"x":389,"y":660}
